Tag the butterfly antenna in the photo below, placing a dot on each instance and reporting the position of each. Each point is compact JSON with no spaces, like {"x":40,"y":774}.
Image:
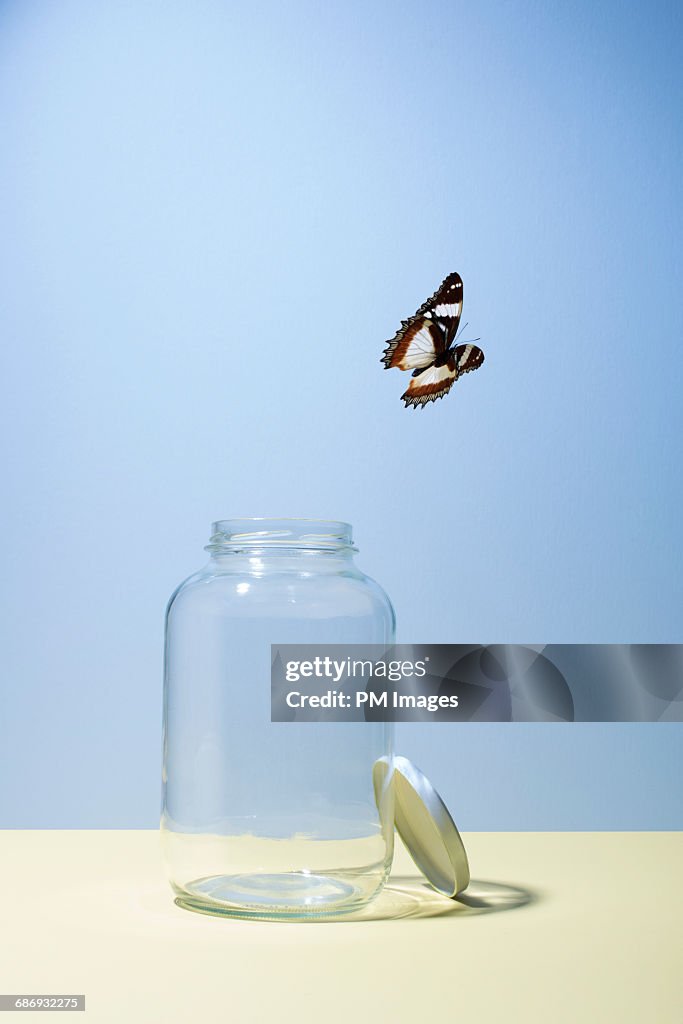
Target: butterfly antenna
{"x":470,"y":341}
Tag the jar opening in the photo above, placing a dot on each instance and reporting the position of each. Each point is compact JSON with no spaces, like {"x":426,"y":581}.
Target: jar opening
{"x":261,"y":532}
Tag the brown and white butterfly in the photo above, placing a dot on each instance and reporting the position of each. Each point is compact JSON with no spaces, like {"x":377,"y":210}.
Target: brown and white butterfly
{"x":426,"y":345}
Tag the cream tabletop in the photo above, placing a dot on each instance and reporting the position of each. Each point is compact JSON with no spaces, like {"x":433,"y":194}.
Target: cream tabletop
{"x":555,"y":927}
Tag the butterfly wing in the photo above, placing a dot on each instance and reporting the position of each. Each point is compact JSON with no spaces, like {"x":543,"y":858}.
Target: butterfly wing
{"x":467,"y":358}
{"x":437,"y":381}
{"x":432,"y":383}
{"x":417,"y":343}
{"x":445,"y":306}
{"x":430,"y":332}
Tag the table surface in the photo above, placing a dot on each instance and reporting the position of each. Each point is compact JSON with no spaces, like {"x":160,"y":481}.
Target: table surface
{"x":555,"y":927}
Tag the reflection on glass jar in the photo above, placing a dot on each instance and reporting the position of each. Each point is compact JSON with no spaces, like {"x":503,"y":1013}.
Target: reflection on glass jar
{"x":261,"y":818}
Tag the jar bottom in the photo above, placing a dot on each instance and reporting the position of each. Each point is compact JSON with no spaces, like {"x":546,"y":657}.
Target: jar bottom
{"x":295,"y":894}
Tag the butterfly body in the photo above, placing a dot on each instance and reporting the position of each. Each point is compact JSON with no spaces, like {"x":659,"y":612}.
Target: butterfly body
{"x":426,"y":344}
{"x":441,"y":360}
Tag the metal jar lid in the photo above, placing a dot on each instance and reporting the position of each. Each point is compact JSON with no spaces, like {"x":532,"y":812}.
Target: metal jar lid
{"x":424,"y":824}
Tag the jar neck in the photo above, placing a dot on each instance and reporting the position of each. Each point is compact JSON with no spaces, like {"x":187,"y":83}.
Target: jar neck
{"x":292,"y":563}
{"x":304,"y":541}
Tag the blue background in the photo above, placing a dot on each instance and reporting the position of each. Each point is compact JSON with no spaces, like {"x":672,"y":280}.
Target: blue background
{"x":213,"y":215}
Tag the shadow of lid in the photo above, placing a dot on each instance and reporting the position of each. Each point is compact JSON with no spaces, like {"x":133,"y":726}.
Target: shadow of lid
{"x":409,"y":898}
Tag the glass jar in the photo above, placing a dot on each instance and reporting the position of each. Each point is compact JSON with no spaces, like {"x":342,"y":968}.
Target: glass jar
{"x":259,"y":818}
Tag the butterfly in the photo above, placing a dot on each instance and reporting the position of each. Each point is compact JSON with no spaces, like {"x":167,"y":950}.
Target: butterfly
{"x":426,"y":345}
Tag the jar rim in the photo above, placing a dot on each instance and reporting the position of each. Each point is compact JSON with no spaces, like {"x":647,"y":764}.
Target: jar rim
{"x":252,"y":532}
